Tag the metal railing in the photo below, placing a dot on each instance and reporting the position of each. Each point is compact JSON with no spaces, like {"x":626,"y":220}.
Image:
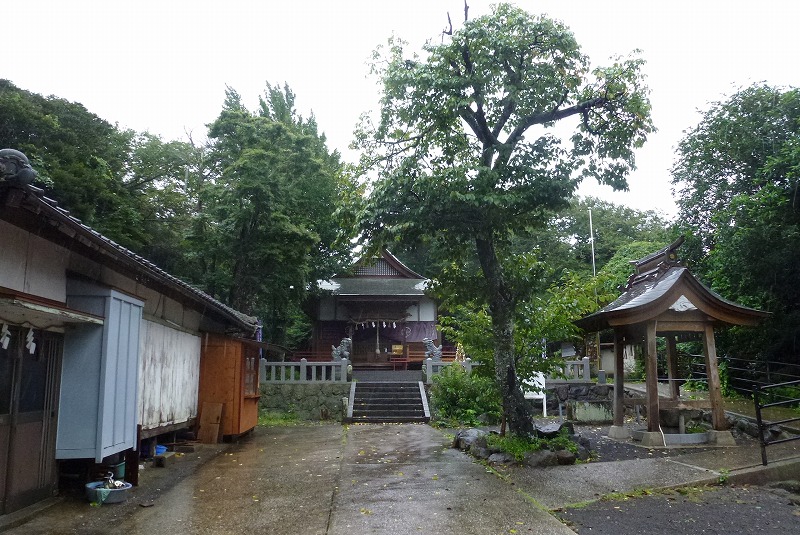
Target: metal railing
{"x":743,"y":375}
{"x":769,"y":391}
{"x":305,"y":371}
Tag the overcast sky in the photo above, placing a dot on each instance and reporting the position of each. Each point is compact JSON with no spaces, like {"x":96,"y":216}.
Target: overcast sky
{"x":162,"y":66}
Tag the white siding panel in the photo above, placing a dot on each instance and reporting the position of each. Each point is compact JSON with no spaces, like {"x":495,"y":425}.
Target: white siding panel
{"x":169,"y":374}
{"x":31,"y":264}
{"x":427,"y":310}
{"x":13,"y":244}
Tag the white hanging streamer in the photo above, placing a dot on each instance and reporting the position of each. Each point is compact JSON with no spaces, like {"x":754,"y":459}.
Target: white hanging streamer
{"x":29,"y":343}
{"x":5,"y":336}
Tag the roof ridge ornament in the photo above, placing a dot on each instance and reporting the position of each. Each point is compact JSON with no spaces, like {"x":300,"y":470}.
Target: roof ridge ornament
{"x":15,"y":167}
{"x":667,"y":255}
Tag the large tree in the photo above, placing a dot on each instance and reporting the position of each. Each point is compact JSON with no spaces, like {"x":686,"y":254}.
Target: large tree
{"x":80,"y":159}
{"x":465,"y":152}
{"x":738,"y":175}
{"x":265,"y":231}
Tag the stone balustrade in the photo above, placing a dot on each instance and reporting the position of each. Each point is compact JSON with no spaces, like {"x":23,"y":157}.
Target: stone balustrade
{"x":339,"y":371}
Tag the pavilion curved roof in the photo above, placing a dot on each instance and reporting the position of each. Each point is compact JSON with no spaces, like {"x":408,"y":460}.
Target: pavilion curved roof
{"x":669,"y":293}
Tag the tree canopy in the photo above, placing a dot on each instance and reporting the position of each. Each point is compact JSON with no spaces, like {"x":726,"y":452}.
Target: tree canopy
{"x":79,"y":157}
{"x":738,"y":174}
{"x":465,"y":153}
{"x":265,"y":230}
{"x":251,"y":217}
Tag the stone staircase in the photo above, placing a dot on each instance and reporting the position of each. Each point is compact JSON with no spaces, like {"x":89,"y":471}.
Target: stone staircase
{"x":387,"y":402}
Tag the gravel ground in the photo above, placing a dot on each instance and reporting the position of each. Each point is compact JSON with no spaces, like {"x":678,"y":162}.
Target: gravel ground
{"x":709,"y":510}
{"x":606,"y":449}
{"x":714,"y":510}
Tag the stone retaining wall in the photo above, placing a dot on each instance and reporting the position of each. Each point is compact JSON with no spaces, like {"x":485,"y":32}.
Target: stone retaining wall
{"x":578,"y":391}
{"x":583,"y":401}
{"x":309,"y":401}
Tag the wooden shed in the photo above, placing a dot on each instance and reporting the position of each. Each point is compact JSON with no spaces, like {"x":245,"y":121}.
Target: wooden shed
{"x":662,"y":298}
{"x":229,"y":376}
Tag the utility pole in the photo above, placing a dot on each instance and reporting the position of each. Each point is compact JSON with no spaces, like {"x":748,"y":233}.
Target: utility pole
{"x":594,"y":276}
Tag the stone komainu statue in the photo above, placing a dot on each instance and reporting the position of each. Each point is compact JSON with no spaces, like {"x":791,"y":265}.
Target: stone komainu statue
{"x":432,"y":351}
{"x":15,"y":167}
{"x":343,"y":351}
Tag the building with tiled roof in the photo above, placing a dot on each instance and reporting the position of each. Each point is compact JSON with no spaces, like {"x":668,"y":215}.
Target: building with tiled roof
{"x":381,"y":305}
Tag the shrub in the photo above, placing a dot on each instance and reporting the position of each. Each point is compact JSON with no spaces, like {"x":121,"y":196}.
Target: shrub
{"x":517,"y":446}
{"x":461,"y":398}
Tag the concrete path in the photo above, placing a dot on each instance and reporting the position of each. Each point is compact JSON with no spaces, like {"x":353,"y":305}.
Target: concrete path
{"x":559,"y":486}
{"x":327,"y":479}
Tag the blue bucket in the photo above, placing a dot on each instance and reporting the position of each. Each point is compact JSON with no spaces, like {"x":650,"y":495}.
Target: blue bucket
{"x":161,"y":450}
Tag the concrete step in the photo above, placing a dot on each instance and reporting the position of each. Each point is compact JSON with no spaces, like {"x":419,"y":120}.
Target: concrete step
{"x":388,"y":402}
{"x":387,"y":399}
{"x":389,"y":419}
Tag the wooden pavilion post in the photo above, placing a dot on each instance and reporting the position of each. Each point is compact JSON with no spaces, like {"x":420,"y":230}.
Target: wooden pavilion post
{"x":653,"y":436}
{"x":720,"y":434}
{"x":672,"y":367}
{"x":618,"y":430}
{"x":653,"y":421}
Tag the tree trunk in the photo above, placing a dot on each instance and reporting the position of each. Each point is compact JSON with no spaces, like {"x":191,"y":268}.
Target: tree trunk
{"x":502,"y":307}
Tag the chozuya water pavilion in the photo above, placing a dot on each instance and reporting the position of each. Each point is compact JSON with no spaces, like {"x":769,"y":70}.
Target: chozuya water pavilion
{"x":663,"y":298}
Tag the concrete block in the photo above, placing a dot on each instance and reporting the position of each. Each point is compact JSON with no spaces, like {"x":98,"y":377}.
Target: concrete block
{"x":619,"y":432}
{"x":165,"y":459}
{"x":590,"y":411}
{"x":720,"y":438}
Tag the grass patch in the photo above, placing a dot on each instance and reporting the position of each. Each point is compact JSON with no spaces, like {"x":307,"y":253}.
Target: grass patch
{"x":278,"y":419}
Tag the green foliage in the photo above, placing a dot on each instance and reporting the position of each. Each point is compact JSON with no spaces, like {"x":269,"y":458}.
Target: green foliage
{"x":518,"y":446}
{"x":460,"y":398}
{"x":618,"y":269}
{"x":278,"y":419}
{"x":782,"y":394}
{"x":267,"y":228}
{"x":725,"y":385}
{"x":80,"y":159}
{"x":254,"y":219}
{"x":464,"y":154}
{"x":737,"y":177}
{"x":565,"y":244}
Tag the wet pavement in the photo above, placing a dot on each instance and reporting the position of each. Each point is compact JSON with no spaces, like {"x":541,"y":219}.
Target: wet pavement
{"x":326,"y":479}
{"x":395,"y":478}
